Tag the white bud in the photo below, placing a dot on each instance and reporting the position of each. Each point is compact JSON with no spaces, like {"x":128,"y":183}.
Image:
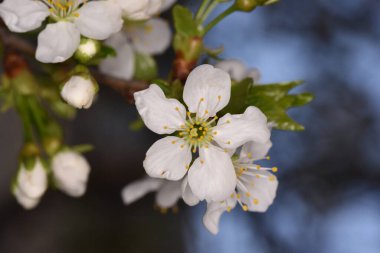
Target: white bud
{"x":32,"y":183}
{"x":79,"y":92}
{"x":70,"y":171}
{"x":25,"y":201}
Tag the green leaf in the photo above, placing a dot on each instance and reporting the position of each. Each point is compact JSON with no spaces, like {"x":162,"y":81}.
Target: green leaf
{"x":184,"y":22}
{"x":239,"y":93}
{"x":274,"y":100}
{"x":145,"y":67}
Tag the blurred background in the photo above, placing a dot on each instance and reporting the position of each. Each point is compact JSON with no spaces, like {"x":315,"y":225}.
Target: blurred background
{"x":329,"y":195}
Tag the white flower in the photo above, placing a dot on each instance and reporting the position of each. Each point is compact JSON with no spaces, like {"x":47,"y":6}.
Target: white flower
{"x":71,"y":171}
{"x":79,"y":92}
{"x":73,"y":18}
{"x":167,"y":4}
{"x":255,"y":190}
{"x":207,"y":91}
{"x":30,"y":185}
{"x":238,"y":71}
{"x":152,"y":37}
{"x":168,"y":192}
{"x":139,"y":9}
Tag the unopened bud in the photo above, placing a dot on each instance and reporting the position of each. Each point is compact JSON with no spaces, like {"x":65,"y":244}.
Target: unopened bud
{"x":87,"y":50}
{"x":79,"y":91}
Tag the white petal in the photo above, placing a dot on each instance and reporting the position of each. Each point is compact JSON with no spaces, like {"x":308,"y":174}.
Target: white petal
{"x":152,"y":37}
{"x":57,"y":42}
{"x":168,"y":158}
{"x":25,"y":201}
{"x":235,"y":68}
{"x":233,"y":131}
{"x":187,"y":194}
{"x":262,"y":191}
{"x":214,"y":212}
{"x":123,"y":65}
{"x":254,"y":74}
{"x":138,"y":189}
{"x":98,"y":20}
{"x":252,"y":151}
{"x":71,"y":171}
{"x":32,"y":183}
{"x":167,"y":4}
{"x":212,"y":176}
{"x":23,"y":15}
{"x":161,"y":115}
{"x":207,"y":90}
{"x":79,"y":92}
{"x":169,"y":194}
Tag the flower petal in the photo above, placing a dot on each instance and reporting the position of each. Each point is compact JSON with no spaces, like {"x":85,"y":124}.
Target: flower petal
{"x":207,"y":90}
{"x":25,"y":201}
{"x":23,"y":15}
{"x":152,"y":37}
{"x":168,"y":158}
{"x":214,"y":212}
{"x":262,"y":191}
{"x":139,"y":10}
{"x":187,"y":194}
{"x":139,"y":189}
{"x":169,"y":194}
{"x":252,"y":151}
{"x":33,"y":183}
{"x":235,"y":68}
{"x":233,"y":131}
{"x":123,"y":64}
{"x":212,"y":176}
{"x":253,"y":73}
{"x":57,"y":42}
{"x":161,"y":115}
{"x":98,"y":20}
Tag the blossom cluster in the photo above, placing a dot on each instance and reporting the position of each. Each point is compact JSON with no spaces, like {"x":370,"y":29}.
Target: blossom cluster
{"x":205,"y":157}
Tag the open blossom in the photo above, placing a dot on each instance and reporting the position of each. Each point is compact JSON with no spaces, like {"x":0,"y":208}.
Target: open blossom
{"x":79,"y":92}
{"x":207,"y":90}
{"x":255,"y":190}
{"x":30,"y":185}
{"x":238,"y":71}
{"x":70,"y":172}
{"x":73,"y":18}
{"x":151,"y":38}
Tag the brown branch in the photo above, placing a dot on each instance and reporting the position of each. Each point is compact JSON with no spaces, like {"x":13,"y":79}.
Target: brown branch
{"x":125,"y":88}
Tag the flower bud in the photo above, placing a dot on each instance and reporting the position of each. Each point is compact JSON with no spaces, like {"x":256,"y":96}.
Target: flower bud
{"x":32,"y":182}
{"x":246,"y":5}
{"x":24,"y":200}
{"x":87,"y":50}
{"x":79,"y":91}
{"x":70,"y":171}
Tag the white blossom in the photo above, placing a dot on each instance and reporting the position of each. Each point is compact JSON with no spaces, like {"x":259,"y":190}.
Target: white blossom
{"x":72,"y":18}
{"x":152,"y":37}
{"x":255,"y":190}
{"x":70,"y":172}
{"x":207,"y":91}
{"x":238,"y":71}
{"x":79,"y":92}
{"x":30,"y":185}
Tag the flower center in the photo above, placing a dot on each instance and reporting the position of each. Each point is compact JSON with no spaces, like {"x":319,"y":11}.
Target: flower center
{"x":197,"y":132}
{"x":61,"y":9}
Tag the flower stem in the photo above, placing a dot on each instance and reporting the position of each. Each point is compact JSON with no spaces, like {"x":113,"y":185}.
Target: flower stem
{"x":219,"y":18}
{"x":202,"y":9}
{"x":208,"y":11}
{"x":22,"y":110}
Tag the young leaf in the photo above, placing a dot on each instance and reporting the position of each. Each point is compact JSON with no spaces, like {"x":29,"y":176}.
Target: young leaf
{"x":274,"y":101}
{"x":145,"y":67}
{"x":183,"y":21}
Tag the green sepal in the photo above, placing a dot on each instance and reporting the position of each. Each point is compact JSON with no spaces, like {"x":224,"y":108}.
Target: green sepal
{"x":82,"y":148}
{"x":145,"y":67}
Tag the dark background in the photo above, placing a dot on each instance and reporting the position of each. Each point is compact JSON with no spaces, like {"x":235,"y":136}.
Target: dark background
{"x":329,"y":194}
